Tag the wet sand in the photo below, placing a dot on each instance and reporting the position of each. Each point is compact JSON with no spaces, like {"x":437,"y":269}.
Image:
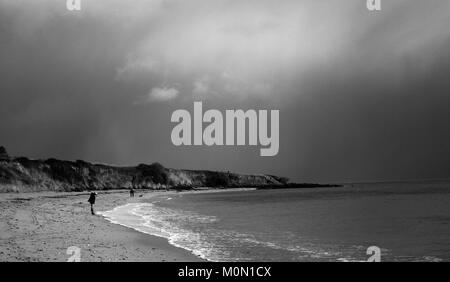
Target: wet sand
{"x":41,"y":226}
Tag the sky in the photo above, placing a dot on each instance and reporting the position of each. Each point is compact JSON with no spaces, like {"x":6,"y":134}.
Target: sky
{"x":363,"y":96}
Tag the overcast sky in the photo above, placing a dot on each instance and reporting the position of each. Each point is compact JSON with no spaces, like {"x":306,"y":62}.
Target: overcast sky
{"x":362,"y":95}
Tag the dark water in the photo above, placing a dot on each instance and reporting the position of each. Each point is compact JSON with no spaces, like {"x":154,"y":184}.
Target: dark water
{"x":407,"y":221}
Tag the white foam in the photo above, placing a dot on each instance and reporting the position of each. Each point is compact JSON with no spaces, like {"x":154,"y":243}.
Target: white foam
{"x":164,"y":222}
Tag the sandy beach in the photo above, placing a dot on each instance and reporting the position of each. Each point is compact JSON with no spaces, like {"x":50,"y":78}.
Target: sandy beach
{"x":41,"y":226}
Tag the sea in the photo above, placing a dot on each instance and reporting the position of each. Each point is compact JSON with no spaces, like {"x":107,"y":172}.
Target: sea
{"x":398,"y":221}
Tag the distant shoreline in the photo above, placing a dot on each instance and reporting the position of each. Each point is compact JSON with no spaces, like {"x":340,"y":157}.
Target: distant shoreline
{"x":21,"y":174}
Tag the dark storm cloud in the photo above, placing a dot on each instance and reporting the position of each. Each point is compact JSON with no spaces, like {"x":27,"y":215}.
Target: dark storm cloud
{"x":361,"y":95}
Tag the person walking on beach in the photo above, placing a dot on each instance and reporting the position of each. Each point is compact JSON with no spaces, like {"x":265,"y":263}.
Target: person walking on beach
{"x":92,"y":201}
{"x":131,"y":192}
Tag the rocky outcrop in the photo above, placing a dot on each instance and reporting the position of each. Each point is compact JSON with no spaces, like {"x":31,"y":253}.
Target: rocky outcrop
{"x":23,"y":174}
{"x":3,"y":154}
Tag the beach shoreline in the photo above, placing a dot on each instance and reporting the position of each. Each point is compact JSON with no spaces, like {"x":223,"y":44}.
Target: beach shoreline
{"x":42,"y":226}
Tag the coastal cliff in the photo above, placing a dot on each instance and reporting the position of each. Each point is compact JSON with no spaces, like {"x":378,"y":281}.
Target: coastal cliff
{"x":20,"y":174}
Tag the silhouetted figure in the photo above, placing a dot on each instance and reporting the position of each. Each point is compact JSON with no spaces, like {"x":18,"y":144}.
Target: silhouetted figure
{"x":131,"y":192}
{"x":92,"y":201}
